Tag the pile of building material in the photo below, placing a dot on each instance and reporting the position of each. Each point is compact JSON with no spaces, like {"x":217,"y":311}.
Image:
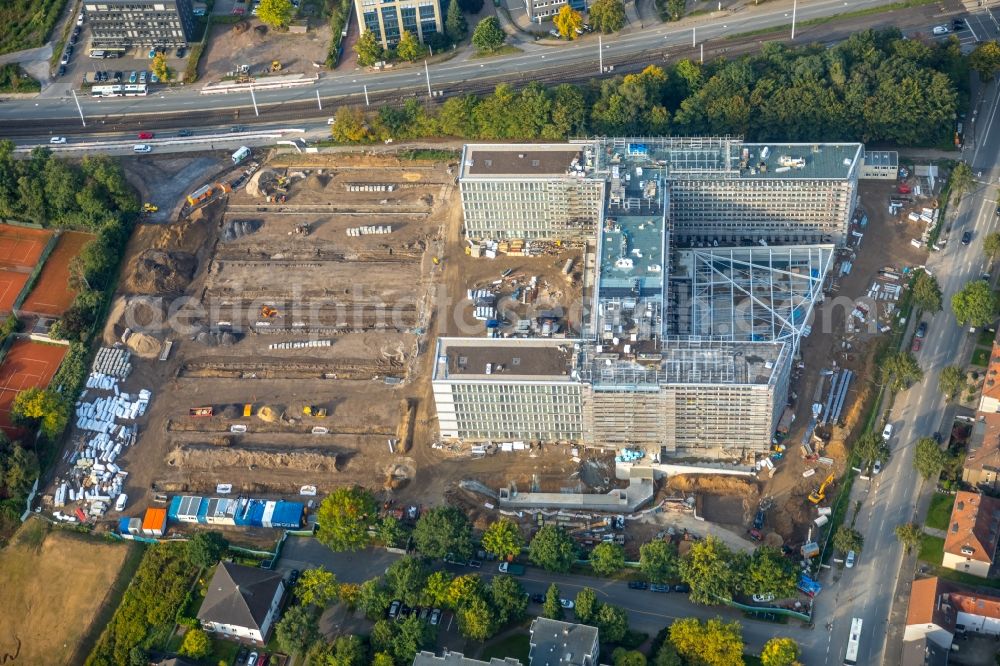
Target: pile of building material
{"x":301,"y":344}
{"x":837,"y":395}
{"x":370,"y":230}
{"x":484,"y":302}
{"x":371,"y":187}
{"x":629,"y":455}
{"x":113,"y":361}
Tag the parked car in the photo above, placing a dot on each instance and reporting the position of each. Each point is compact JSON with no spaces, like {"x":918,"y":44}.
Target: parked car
{"x":236,"y":129}
{"x":57,"y":139}
{"x":538,"y":598}
{"x":916,"y":345}
{"x":62,"y":70}
{"x":849,"y":562}
{"x":683,"y":588}
{"x":76,"y":32}
{"x":79,"y":19}
{"x":966,"y":238}
{"x":394,"y":609}
{"x":142,"y":148}
{"x":877,"y":467}
{"x":554,"y":33}
{"x":940,"y":30}
{"x":142,"y":76}
{"x":887,"y":432}
{"x":252,"y":659}
{"x":64,"y":60}
{"x":265,"y":659}
{"x":435,"y":617}
{"x":566,"y":603}
{"x":404,"y":612}
{"x":424,"y":614}
{"x":132,"y":77}
{"x":118,"y":77}
{"x":293,"y":576}
{"x":475,"y":564}
{"x":937,"y":437}
{"x":180,"y":52}
{"x":638,"y":585}
{"x":921,"y":329}
{"x":654,"y":587}
{"x":153,"y":78}
{"x":958,"y":24}
{"x":72,"y":40}
{"x":762,"y":598}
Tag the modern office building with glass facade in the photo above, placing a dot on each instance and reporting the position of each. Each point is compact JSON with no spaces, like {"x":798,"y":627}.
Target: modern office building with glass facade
{"x":389,"y":18}
{"x":139,"y":23}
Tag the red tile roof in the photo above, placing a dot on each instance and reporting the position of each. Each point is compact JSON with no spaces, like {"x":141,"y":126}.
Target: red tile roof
{"x":991,"y":389}
{"x":974,"y":527}
{"x":985,"y":454}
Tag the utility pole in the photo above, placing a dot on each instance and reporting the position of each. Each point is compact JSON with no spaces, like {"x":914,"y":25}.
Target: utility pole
{"x":366,"y":95}
{"x":694,"y":33}
{"x":427,"y":73}
{"x":702,"y":53}
{"x":319,"y":102}
{"x":795,"y":6}
{"x":78,"y":107}
{"x":600,"y":52}
{"x":254,"y":99}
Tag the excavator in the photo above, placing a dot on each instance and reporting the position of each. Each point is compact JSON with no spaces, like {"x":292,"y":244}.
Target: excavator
{"x":819,"y":494}
{"x":312,"y":410}
{"x":149,"y":208}
{"x":267,"y":312}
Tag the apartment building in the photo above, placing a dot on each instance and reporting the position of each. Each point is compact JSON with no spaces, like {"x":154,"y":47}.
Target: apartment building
{"x":389,"y":18}
{"x":973,"y":534}
{"x":542,"y":10}
{"x":139,"y":23}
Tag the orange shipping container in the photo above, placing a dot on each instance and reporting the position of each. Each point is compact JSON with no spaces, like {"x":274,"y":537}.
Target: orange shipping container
{"x":155,"y":522}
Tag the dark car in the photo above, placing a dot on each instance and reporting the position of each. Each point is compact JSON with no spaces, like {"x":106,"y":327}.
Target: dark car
{"x":683,"y":588}
{"x":538,"y":598}
{"x":937,"y":437}
{"x":62,"y":70}
{"x":72,"y":40}
{"x":638,"y":585}
{"x":394,"y":609}
{"x":959,"y":24}
{"x":118,"y":77}
{"x":241,"y":657}
{"x":293,"y":576}
{"x":237,"y":128}
{"x":659,"y":588}
{"x":184,"y":132}
{"x":404,"y":612}
{"x":758,"y":521}
{"x":180,"y":52}
{"x":921,"y":329}
{"x":76,"y":32}
{"x":966,"y":238}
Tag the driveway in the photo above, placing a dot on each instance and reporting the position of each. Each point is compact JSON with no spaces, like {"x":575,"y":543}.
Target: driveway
{"x":307,"y":553}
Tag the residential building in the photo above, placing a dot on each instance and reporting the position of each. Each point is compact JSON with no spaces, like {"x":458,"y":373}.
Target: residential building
{"x":541,"y":10}
{"x":989,"y":403}
{"x":981,"y":467}
{"x":939,"y":610}
{"x":880,"y":165}
{"x":557,"y":643}
{"x":242,"y":602}
{"x":139,"y":23}
{"x":449,"y":658}
{"x":973,"y":531}
{"x":389,"y":18}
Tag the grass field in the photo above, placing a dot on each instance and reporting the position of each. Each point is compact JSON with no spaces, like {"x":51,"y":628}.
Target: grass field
{"x":931,"y":549}
{"x":514,"y":645}
{"x":980,"y":357}
{"x":27,"y":23}
{"x":940,"y":511}
{"x":54,"y":584}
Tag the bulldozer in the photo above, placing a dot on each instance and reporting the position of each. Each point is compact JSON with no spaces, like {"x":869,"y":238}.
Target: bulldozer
{"x":275,"y":65}
{"x":149,"y":208}
{"x":267,"y":312}
{"x":819,"y":494}
{"x":313,"y":410}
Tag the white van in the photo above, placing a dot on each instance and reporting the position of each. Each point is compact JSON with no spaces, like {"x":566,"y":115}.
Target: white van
{"x":241,"y":154}
{"x":887,"y":432}
{"x":142,"y":148}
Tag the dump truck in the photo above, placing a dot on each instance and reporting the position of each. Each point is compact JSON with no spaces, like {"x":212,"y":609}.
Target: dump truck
{"x":201,"y":411}
{"x":511,"y":568}
{"x":312,"y":410}
{"x":248,"y":410}
{"x":267,"y":312}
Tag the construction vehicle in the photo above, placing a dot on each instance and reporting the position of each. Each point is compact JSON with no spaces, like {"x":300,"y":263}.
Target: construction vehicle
{"x":303,"y":229}
{"x":819,"y":494}
{"x":437,"y":262}
{"x":247,"y":410}
{"x":275,"y":65}
{"x":199,"y":195}
{"x":268,"y":312}
{"x":312,"y":410}
{"x":201,"y":411}
{"x":149,"y":208}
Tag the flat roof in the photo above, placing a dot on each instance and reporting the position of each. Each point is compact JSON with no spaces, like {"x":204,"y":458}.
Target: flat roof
{"x":887,"y":158}
{"x":523,"y":160}
{"x":632,"y":249}
{"x":803,"y":160}
{"x":500,"y":359}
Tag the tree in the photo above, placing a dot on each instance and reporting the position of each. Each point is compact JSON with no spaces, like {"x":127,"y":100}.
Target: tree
{"x":568,"y":21}
{"x":159,"y":67}
{"x":138,"y":657}
{"x":455,"y":25}
{"x":676,"y":9}
{"x":344,"y":518}
{"x":607,"y":559}
{"x":297,"y":629}
{"x":985,"y":60}
{"x":383,"y":659}
{"x":871,"y":447}
{"x":464,"y":589}
{"x":405,"y":578}
{"x":706,"y":568}
{"x":552,"y":607}
{"x":658,"y":560}
{"x":412,"y":636}
{"x":607,"y":15}
{"x":769,"y":572}
{"x":962,"y":179}
{"x":612,"y":622}
{"x":991,"y":244}
{"x":926,"y":292}
{"x":503,"y":539}
{"x":275,"y":13}
{"x":780,"y":652}
{"x":508,"y":599}
{"x":623,"y":657}
{"x":196,"y":644}
{"x":389,"y":531}
{"x":317,"y":587}
{"x":476,"y":620}
{"x":442,"y":531}
{"x":369,"y":49}
{"x":929,"y":459}
{"x":975,"y":304}
{"x":20,"y":467}
{"x":847,"y":538}
{"x":909,"y":534}
{"x":436,"y":589}
{"x":488,"y":35}
{"x":205,"y":549}
{"x":712,"y":643}
{"x":667,"y":656}
{"x":552,"y":549}
{"x":45,"y":408}
{"x":409,"y":48}
{"x":373,"y":598}
{"x":586,"y":605}
{"x":350,"y":126}
{"x":951,"y":381}
{"x":900,"y":370}
{"x":346,"y":650}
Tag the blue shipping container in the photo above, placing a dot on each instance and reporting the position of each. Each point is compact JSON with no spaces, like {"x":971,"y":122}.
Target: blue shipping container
{"x":287,"y":515}
{"x":123,"y":525}
{"x":257,"y":513}
{"x":203,"y":511}
{"x":175,"y":505}
{"x":242,"y":516}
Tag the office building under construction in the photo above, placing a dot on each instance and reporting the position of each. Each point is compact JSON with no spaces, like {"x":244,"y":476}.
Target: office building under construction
{"x":708,"y":256}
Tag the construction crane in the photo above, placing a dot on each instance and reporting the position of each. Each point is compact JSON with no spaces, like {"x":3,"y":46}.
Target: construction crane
{"x":819,"y":494}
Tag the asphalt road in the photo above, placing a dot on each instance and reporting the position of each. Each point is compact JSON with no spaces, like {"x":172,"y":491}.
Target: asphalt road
{"x":657,"y":41}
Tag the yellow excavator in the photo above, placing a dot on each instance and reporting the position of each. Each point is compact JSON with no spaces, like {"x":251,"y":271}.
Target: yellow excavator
{"x":819,"y":494}
{"x":267,"y":312}
{"x":149,"y":208}
{"x":313,"y":410}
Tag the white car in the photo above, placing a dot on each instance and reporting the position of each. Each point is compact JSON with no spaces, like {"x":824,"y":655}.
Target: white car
{"x":887,"y":432}
{"x":877,"y":467}
{"x":849,"y":562}
{"x":566,"y":603}
{"x":252,"y":659}
{"x":940,"y":30}
{"x":142,"y":148}
{"x":79,"y":19}
{"x":330,"y":121}
{"x":57,"y":139}
{"x":763,"y":598}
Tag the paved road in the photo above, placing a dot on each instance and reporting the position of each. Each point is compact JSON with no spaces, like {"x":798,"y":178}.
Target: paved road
{"x":894,"y":496}
{"x":674,"y":38}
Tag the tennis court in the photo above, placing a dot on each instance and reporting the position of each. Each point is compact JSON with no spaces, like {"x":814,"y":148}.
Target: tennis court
{"x":28,"y":364}
{"x":21,"y":247}
{"x":11,"y":284}
{"x":52,"y":295}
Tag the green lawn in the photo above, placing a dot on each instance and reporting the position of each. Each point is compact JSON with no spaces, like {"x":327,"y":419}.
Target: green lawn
{"x":980,"y":357}
{"x":514,"y":645}
{"x":931,"y":549}
{"x":964,"y":578}
{"x":986,"y":338}
{"x":223,"y":652}
{"x":939,"y":512}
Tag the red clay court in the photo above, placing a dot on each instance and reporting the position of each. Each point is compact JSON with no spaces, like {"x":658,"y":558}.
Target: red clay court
{"x":52,"y":295}
{"x":21,"y":247}
{"x":28,"y":364}
{"x":11,"y":284}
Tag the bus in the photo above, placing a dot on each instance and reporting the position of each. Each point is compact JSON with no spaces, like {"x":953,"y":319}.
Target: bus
{"x":851,"y":658}
{"x":118,"y":90}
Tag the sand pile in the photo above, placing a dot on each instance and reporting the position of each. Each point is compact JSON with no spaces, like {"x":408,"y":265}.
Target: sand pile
{"x":718,"y":484}
{"x":268,"y":414}
{"x":161,"y":272}
{"x":211,"y":457}
{"x":143,"y":345}
{"x":253,"y":187}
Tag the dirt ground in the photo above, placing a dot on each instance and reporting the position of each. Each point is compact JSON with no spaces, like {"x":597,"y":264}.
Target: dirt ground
{"x":230,"y":46}
{"x":54,"y":584}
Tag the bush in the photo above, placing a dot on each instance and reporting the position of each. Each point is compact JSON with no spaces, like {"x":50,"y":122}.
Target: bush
{"x":339,"y":11}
